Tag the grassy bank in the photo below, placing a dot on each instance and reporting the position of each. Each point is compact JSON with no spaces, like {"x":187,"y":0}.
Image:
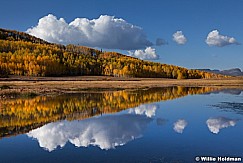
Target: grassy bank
{"x":15,"y":86}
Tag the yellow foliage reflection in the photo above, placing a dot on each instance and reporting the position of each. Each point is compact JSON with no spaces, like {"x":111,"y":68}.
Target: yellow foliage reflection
{"x":21,"y":115}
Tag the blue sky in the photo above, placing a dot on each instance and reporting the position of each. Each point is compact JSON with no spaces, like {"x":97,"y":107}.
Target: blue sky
{"x":157,"y":19}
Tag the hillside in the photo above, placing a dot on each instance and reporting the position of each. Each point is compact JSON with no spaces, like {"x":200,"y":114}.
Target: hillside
{"x":22,"y":54}
{"x":18,"y":36}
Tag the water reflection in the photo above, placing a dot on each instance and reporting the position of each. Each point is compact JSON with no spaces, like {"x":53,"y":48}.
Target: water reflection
{"x":230,"y":106}
{"x":180,"y":125}
{"x":132,"y":122}
{"x":148,"y":110}
{"x":232,"y":91}
{"x":161,"y":122}
{"x":22,"y":115}
{"x":218,"y":123}
{"x":106,"y":132}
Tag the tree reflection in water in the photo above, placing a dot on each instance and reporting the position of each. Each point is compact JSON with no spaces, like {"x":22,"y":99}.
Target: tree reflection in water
{"x":22,"y":115}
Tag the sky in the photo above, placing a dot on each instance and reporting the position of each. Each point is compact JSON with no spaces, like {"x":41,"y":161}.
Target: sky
{"x":187,"y":33}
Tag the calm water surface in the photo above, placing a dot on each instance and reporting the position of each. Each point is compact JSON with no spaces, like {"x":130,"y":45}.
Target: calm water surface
{"x":173,"y":124}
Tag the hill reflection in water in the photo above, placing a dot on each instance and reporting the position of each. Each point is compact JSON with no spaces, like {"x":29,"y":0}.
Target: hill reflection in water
{"x":22,"y":115}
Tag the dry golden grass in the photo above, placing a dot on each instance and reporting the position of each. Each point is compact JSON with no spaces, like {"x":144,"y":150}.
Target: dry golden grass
{"x":60,"y":85}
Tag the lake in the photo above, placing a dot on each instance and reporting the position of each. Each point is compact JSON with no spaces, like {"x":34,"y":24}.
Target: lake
{"x":171,"y":124}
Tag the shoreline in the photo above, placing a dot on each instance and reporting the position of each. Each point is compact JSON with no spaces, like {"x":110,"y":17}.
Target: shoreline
{"x":45,"y":86}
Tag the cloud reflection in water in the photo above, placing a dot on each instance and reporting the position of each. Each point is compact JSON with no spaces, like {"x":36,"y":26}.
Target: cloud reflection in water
{"x":180,"y":125}
{"x":149,"y":110}
{"x":215,"y":124}
{"x":105,"y":132}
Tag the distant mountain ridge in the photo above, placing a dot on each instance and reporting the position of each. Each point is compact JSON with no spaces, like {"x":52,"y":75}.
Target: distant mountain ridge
{"x":229,"y":72}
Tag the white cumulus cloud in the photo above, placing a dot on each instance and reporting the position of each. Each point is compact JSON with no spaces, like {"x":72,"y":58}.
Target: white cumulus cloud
{"x":180,"y":125}
{"x":105,"y":132}
{"x":215,"y":39}
{"x":148,"y":110}
{"x":104,"y":32}
{"x":215,"y":124}
{"x":149,"y":53}
{"x":179,"y":38}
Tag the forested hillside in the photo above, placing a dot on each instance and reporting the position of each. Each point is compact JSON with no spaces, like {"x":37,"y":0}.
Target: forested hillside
{"x":22,"y":54}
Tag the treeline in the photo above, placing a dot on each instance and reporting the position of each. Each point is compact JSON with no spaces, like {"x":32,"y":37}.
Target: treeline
{"x":25,"y":55}
{"x":18,"y":115}
{"x":13,"y":35}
